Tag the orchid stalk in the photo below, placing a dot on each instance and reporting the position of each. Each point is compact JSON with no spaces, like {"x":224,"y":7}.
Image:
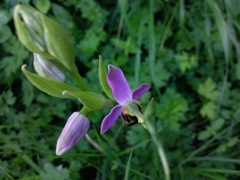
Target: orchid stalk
{"x":53,"y":52}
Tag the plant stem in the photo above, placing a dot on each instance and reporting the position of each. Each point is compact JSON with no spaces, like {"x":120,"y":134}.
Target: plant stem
{"x":93,"y":143}
{"x":163,"y":158}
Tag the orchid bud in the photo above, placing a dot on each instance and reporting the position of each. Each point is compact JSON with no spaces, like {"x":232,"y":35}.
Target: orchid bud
{"x":73,"y":131}
{"x":43,"y":36}
{"x":48,"y":68}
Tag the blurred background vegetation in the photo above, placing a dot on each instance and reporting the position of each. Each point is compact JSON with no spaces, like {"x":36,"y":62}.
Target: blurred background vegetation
{"x":187,"y":50}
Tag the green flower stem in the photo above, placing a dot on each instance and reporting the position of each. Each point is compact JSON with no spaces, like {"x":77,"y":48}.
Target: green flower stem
{"x":163,"y":158}
{"x":151,"y":127}
{"x":84,"y":111}
{"x":79,"y":80}
{"x":93,"y":143}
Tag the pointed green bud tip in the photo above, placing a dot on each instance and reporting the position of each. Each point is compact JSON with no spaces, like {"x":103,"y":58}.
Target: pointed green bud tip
{"x":43,"y":36}
{"x":23,"y":67}
{"x":48,"y":68}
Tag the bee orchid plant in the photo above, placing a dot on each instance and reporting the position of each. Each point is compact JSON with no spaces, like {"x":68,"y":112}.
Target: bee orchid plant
{"x":53,"y":54}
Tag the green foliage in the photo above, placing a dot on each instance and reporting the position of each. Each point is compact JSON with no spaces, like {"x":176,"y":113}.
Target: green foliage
{"x":6,"y":101}
{"x":54,"y":173}
{"x":14,"y":59}
{"x":185,"y":61}
{"x":172,"y":109}
{"x":208,"y":90}
{"x":187,"y":50}
{"x":42,"y":5}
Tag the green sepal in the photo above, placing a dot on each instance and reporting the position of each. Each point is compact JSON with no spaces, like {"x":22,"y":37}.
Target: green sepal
{"x":149,"y":117}
{"x":48,"y":85}
{"x":91,"y":100}
{"x":102,"y":73}
{"x":58,"y":42}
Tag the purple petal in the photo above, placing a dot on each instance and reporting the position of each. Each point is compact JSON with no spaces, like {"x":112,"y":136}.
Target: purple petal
{"x":75,"y":128}
{"x":110,"y":119}
{"x":119,"y":85}
{"x":140,"y":90}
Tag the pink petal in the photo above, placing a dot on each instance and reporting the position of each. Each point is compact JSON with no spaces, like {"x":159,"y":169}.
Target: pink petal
{"x":119,"y":85}
{"x":140,"y":90}
{"x":111,"y":118}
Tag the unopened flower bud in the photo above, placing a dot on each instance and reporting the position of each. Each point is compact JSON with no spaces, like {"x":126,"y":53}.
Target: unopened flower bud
{"x":48,"y":68}
{"x":73,"y":131}
{"x":43,"y":36}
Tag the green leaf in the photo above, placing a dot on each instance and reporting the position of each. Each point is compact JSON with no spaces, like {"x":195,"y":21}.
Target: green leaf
{"x":28,"y":96}
{"x":217,"y":124}
{"x":208,"y":110}
{"x":55,"y":88}
{"x":42,"y":5}
{"x":185,"y":61}
{"x":172,"y":109}
{"x":92,"y":39}
{"x":49,"y":86}
{"x":136,"y":135}
{"x":54,"y":173}
{"x":162,"y":75}
{"x":5,"y":17}
{"x":204,"y":135}
{"x":222,"y":28}
{"x":232,"y":141}
{"x":127,"y":46}
{"x":128,"y":166}
{"x":6,"y":100}
{"x":102,"y":73}
{"x":208,"y":90}
{"x":8,"y":64}
{"x":5,"y":33}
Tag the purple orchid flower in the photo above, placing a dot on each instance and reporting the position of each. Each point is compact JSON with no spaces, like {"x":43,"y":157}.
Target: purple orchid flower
{"x":128,"y":107}
{"x":73,"y":131}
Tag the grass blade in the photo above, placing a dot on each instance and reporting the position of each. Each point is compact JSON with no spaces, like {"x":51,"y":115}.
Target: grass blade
{"x":128,"y":167}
